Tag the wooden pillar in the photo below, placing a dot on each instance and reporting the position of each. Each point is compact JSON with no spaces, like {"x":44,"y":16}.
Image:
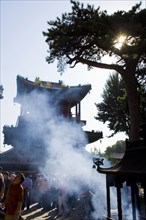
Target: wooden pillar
{"x":78,"y":111}
{"x":110,"y":181}
{"x":119,"y":202}
{"x":133,"y":201}
{"x":108,"y":198}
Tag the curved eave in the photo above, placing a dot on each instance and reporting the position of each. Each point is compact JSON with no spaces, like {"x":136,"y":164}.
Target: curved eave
{"x":133,"y":162}
{"x":72,"y":94}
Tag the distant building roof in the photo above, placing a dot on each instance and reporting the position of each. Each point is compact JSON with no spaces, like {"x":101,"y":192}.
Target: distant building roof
{"x":71,"y":94}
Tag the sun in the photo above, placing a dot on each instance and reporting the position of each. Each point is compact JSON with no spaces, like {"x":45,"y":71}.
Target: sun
{"x":120,"y":40}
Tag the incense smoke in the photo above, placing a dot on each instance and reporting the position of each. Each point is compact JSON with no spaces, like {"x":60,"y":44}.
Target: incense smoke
{"x":63,"y":142}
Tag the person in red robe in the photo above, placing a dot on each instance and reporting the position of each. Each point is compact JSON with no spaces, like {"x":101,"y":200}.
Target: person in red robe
{"x":14,"y":198}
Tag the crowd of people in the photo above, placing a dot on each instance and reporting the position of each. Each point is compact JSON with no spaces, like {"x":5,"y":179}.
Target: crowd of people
{"x":18,"y":191}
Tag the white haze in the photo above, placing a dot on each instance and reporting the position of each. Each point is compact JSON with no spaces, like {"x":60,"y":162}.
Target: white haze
{"x":66,"y":156}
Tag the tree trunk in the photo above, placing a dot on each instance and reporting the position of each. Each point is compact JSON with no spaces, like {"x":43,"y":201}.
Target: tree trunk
{"x":133,"y":104}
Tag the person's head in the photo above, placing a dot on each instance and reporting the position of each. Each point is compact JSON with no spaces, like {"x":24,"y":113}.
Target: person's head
{"x":6,"y":174}
{"x":19,"y":178}
{"x":12,"y":176}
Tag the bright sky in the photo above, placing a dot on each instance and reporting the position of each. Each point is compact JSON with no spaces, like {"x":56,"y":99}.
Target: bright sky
{"x":23,"y":52}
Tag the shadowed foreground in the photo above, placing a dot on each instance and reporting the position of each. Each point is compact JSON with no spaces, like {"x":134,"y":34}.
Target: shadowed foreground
{"x":38,"y":214}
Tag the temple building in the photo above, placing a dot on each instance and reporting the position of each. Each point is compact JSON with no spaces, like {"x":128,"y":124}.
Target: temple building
{"x":27,"y":137}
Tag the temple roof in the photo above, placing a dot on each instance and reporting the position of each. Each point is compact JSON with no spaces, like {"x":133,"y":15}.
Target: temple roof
{"x":93,"y":136}
{"x":71,"y":94}
{"x":133,"y":162}
{"x":11,"y":161}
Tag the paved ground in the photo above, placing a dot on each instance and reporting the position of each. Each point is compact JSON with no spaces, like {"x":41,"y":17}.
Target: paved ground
{"x":35,"y":213}
{"x":39,"y":214}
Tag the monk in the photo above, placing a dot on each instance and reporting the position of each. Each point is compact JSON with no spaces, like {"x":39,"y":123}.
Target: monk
{"x":14,"y":198}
